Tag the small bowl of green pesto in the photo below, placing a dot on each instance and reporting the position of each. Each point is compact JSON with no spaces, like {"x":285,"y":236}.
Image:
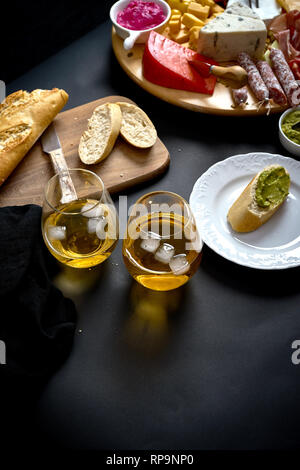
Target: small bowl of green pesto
{"x":289,"y":130}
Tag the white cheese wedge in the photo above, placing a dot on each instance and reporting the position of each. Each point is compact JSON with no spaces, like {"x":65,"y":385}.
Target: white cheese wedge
{"x":238,"y":29}
{"x":267,"y":10}
{"x":240,"y":8}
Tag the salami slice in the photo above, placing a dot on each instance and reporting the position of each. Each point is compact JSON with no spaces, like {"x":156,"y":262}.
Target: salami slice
{"x":255,"y":81}
{"x":285,"y":77}
{"x":275,"y":90}
{"x":240,"y":95}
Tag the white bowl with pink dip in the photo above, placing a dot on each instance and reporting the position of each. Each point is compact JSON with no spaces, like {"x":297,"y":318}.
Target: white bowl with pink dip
{"x":121,"y":14}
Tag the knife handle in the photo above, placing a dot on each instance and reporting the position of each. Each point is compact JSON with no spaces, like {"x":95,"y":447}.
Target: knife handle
{"x":234,"y":73}
{"x":66,"y":184}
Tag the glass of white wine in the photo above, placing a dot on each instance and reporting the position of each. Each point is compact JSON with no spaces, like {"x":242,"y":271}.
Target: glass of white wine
{"x":81,"y":233}
{"x":162,"y":248}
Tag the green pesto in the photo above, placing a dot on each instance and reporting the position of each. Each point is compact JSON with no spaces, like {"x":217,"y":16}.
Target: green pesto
{"x":272,"y":187}
{"x":291,"y":126}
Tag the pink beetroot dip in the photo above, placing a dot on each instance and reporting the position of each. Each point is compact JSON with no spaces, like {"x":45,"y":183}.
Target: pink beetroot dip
{"x":139,"y":15}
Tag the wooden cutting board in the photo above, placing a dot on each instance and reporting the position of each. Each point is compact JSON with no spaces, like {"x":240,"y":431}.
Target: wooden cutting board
{"x":126,"y":166}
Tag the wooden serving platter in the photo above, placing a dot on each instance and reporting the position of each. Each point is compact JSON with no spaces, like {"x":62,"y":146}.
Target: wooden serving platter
{"x":220,"y":102}
{"x":126,"y":166}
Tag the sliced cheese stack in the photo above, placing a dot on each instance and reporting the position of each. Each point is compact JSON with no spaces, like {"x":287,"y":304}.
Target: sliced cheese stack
{"x":238,"y":29}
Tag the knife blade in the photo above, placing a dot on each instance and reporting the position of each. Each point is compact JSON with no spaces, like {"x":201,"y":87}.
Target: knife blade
{"x":50,"y":140}
{"x":51,"y":145}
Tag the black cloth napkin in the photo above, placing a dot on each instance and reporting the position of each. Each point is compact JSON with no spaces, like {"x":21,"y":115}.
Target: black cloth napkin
{"x":37,"y":323}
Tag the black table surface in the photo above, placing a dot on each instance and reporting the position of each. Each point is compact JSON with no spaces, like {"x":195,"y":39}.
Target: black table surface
{"x":215,"y":371}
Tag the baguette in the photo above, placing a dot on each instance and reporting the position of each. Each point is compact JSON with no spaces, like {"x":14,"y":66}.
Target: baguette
{"x":23,"y":118}
{"x":246,"y":215}
{"x":98,"y":140}
{"x":136,"y":127}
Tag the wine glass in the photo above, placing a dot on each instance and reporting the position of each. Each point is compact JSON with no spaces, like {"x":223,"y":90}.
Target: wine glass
{"x":81,"y":233}
{"x":162,"y":248}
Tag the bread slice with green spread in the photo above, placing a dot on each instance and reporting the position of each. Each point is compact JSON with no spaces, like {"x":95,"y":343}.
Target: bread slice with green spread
{"x":263,"y":196}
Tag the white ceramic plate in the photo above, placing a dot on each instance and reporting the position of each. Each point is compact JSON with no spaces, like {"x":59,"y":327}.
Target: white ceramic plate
{"x":274,"y":245}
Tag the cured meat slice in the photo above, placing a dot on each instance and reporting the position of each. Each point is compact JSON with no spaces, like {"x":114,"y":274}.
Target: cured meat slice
{"x":166,"y":63}
{"x":279,"y":23}
{"x":285,"y":77}
{"x":275,"y":90}
{"x":255,"y":81}
{"x":293,"y":19}
{"x":295,"y":38}
{"x":284,"y":41}
{"x":286,"y":29}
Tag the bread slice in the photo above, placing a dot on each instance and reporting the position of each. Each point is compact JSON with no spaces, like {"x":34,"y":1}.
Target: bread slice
{"x":98,"y":140}
{"x":136,"y":128}
{"x":245,"y":215}
{"x":23,"y":118}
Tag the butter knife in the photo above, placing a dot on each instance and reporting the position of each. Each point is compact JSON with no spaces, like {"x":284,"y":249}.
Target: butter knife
{"x":51,"y":145}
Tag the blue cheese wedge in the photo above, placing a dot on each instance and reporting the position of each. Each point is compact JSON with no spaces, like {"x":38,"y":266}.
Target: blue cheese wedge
{"x":267,"y":10}
{"x":238,"y":29}
{"x":241,"y":9}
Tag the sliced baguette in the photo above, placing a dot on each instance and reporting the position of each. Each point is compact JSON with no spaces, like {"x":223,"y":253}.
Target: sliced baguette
{"x":136,"y":128}
{"x":245,"y":215}
{"x":98,"y":140}
{"x":23,"y":118}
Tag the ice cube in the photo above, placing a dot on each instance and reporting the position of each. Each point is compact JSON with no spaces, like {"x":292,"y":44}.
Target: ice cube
{"x":91,"y":210}
{"x":100,"y":232}
{"x":179,"y":264}
{"x":190,"y":232}
{"x":150,"y":244}
{"x":195,"y":245}
{"x":92,"y":224}
{"x":57,"y":232}
{"x":164,"y":253}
